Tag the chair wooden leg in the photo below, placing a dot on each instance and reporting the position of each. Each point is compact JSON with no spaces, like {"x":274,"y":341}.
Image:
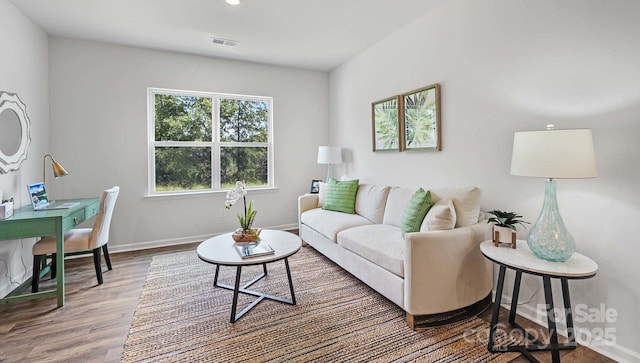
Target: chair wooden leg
{"x":54,"y":265}
{"x":36,"y":273}
{"x":96,"y":262}
{"x":105,"y":251}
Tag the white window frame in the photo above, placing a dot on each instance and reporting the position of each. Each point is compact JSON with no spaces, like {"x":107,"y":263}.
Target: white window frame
{"x":215,"y":144}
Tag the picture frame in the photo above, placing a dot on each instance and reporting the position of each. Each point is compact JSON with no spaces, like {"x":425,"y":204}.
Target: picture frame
{"x":420,"y":119}
{"x":315,"y":186}
{"x":385,"y":124}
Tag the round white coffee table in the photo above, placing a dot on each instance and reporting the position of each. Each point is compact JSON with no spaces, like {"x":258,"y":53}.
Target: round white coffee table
{"x":522,"y":260}
{"x":221,"y":251}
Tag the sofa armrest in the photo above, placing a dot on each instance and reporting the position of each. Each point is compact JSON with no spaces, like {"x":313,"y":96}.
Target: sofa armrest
{"x":306,"y":202}
{"x":445,"y":270}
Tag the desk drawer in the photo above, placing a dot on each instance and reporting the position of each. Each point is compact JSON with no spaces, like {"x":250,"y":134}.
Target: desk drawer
{"x":91,"y":210}
{"x":73,"y":220}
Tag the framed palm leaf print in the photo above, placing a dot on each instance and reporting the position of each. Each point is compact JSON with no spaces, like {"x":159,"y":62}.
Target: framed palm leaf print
{"x":420,"y":119}
{"x":386,"y":124}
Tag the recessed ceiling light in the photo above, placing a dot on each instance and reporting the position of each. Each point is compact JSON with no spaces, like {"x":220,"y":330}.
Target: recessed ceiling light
{"x":233,"y":2}
{"x":222,"y":41}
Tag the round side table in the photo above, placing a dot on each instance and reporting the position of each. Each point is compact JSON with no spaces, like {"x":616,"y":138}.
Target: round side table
{"x":522,"y":260}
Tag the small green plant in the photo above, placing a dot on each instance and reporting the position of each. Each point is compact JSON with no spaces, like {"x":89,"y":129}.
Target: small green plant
{"x":507,"y":219}
{"x":245,"y":219}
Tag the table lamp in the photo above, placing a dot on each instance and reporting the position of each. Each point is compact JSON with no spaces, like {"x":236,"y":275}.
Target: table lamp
{"x":553,"y":154}
{"x":58,"y":170}
{"x":329,"y":155}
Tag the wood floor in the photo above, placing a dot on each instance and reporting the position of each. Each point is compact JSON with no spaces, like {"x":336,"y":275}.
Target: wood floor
{"x":93,"y":324}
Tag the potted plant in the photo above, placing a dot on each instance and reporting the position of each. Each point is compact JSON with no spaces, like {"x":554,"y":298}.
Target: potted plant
{"x":504,"y":226}
{"x":246,"y":232}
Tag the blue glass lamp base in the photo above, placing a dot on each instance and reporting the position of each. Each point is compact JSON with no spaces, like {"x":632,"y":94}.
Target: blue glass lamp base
{"x":549,"y":238}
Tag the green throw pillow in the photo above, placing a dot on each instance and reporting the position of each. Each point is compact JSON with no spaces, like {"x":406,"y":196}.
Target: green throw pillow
{"x":415,"y":211}
{"x":340,"y":196}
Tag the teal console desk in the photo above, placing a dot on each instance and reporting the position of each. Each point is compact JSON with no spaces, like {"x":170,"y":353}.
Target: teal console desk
{"x":27,"y":223}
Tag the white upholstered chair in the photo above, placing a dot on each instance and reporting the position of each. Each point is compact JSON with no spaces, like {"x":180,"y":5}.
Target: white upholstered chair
{"x":80,"y":239}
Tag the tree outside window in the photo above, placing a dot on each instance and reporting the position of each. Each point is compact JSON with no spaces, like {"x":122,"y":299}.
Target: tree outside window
{"x":208,"y":141}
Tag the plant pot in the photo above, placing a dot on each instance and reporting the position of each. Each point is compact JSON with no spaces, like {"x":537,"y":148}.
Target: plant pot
{"x":242,"y":236}
{"x":504,"y":235}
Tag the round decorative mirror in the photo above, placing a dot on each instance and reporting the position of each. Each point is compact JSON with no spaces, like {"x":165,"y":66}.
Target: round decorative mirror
{"x":15,"y":132}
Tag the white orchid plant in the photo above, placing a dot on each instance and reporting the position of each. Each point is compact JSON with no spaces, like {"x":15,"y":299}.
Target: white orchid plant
{"x":246,"y":219}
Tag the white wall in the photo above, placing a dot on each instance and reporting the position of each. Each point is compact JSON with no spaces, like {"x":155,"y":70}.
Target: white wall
{"x":99,"y":133}
{"x":516,"y":65}
{"x":504,"y":66}
{"x":23,"y":70}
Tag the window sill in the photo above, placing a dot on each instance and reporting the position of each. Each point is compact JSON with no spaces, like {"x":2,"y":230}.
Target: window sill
{"x":204,"y":193}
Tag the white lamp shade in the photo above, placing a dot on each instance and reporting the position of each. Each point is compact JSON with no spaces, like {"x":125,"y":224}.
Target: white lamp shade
{"x":329,"y":155}
{"x":555,"y":154}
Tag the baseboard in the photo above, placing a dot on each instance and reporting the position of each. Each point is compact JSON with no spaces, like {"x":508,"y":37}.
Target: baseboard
{"x":597,"y":344}
{"x":136,"y":246}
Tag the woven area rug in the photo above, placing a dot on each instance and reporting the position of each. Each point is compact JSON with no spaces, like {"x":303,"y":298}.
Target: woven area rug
{"x":181,"y":317}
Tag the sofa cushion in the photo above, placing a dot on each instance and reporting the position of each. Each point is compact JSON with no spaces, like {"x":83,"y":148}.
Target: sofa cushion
{"x":329,"y":223}
{"x":379,"y":243}
{"x":396,"y":203}
{"x":415,"y":211}
{"x":466,"y":201}
{"x":441,"y":216}
{"x":322,"y":192}
{"x":371,"y":200}
{"x":341,"y":196}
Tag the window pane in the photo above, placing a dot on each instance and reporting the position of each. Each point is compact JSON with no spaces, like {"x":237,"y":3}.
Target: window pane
{"x":243,"y":163}
{"x":183,"y":168}
{"x":244,"y":121}
{"x":182,"y":118}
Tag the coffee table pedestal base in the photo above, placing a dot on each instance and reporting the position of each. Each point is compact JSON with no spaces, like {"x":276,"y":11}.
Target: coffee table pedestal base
{"x":237,"y":289}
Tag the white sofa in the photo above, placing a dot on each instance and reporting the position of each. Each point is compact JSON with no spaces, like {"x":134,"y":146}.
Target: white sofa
{"x":429,"y":272}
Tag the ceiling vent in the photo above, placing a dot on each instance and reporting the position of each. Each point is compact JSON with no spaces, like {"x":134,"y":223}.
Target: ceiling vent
{"x":227,"y":42}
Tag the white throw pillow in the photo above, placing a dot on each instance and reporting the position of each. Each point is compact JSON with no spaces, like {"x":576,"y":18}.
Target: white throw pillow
{"x":322,"y":192}
{"x":466,"y":201}
{"x":441,"y":217}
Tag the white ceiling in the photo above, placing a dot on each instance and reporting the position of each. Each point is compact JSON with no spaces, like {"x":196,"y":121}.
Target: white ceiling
{"x":312,"y":34}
